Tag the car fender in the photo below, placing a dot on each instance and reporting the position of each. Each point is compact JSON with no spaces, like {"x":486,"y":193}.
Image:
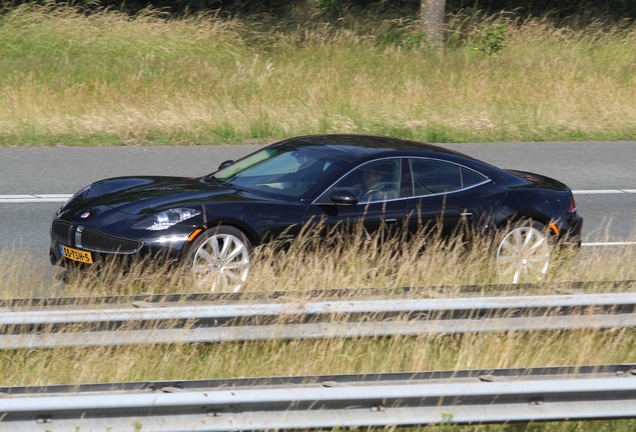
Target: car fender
{"x":540,"y":205}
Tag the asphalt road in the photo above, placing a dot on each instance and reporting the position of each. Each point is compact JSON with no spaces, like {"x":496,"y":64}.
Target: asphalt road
{"x":584,"y":166}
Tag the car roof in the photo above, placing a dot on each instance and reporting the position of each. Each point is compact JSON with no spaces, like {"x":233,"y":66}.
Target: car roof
{"x":351,"y":146}
{"x":361,"y":148}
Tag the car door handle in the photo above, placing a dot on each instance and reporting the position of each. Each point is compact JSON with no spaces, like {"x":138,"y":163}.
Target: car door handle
{"x":390,"y":221}
{"x":467,"y":214}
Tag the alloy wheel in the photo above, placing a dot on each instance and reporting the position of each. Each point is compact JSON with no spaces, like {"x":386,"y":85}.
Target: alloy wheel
{"x":221,"y":262}
{"x":523,"y":255}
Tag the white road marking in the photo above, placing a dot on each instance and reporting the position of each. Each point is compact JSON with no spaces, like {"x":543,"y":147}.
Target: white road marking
{"x":609,"y":244}
{"x":603,"y":191}
{"x":34,"y":198}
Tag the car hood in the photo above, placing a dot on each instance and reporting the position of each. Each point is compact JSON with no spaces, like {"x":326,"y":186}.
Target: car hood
{"x":146,"y":195}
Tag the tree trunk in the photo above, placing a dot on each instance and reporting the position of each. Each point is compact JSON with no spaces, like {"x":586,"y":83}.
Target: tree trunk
{"x":432,"y":21}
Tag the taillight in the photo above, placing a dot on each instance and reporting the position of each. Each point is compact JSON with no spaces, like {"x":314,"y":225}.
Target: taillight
{"x":572,"y":208}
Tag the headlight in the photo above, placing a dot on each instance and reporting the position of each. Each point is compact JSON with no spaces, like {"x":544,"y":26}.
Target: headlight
{"x":166,"y":219}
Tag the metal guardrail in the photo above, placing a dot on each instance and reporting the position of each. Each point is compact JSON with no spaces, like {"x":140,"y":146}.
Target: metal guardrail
{"x":575,"y":287}
{"x":371,"y":318}
{"x":402,"y":399}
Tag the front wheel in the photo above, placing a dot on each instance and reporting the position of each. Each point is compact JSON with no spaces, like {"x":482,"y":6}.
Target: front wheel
{"x":523,"y":252}
{"x":220,"y":259}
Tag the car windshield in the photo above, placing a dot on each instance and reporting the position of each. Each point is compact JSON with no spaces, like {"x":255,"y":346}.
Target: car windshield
{"x":286,"y":170}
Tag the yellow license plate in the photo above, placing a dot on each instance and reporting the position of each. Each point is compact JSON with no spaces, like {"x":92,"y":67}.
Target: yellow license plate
{"x":76,"y":254}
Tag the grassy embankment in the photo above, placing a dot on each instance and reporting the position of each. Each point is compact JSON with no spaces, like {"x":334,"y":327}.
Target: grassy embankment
{"x":108,"y":79}
{"x":364,"y":264}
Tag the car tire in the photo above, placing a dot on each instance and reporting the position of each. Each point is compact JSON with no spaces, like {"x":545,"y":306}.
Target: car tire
{"x":523,"y":252}
{"x":220,"y":259}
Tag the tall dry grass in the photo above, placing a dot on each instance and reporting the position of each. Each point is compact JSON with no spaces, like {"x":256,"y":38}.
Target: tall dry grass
{"x":309,"y":264}
{"x":364,"y":260}
{"x":107,"y":78}
{"x":296,"y":357}
{"x":310,"y":357}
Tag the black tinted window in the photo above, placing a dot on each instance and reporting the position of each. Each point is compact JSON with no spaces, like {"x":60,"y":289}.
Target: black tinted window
{"x":471,"y":178}
{"x":431,"y":177}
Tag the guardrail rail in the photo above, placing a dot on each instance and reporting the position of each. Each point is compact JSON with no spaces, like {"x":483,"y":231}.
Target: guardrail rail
{"x":154,"y":323}
{"x":393,"y":399}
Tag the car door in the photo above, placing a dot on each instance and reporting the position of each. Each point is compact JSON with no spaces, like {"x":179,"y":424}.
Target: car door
{"x":447,"y":196}
{"x":380,"y":204}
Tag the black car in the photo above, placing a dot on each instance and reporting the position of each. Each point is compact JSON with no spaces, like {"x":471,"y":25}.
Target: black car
{"x":211,"y":223}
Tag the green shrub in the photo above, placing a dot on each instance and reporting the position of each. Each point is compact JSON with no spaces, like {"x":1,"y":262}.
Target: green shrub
{"x":492,"y":39}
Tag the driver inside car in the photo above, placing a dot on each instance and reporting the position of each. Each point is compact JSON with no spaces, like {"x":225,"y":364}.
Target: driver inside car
{"x":374,"y":185}
{"x":373,"y":182}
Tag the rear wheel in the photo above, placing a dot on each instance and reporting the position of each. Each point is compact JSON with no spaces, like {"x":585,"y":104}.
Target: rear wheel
{"x":523,"y":252}
{"x":220,"y":259}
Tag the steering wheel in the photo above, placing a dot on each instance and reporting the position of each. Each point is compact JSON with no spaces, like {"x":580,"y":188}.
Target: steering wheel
{"x":371,"y":191}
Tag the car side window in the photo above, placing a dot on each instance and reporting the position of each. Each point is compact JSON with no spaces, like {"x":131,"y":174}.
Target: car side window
{"x":433,"y":177}
{"x":471,"y":178}
{"x":375,"y":181}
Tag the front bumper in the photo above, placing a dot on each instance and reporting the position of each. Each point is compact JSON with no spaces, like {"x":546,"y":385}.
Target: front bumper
{"x":169,"y":245}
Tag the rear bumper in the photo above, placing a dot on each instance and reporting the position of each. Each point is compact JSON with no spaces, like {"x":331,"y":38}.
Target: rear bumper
{"x":570,"y":238}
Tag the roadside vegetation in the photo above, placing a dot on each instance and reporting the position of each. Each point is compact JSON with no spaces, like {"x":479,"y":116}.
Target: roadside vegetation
{"x":104,"y":78}
{"x":311,"y":264}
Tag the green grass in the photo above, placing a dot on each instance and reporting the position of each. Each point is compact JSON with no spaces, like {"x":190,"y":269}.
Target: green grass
{"x":108,"y":79}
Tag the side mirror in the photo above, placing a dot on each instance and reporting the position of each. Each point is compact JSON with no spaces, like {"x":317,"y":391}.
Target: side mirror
{"x":343,"y":197}
{"x":226,"y":164}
